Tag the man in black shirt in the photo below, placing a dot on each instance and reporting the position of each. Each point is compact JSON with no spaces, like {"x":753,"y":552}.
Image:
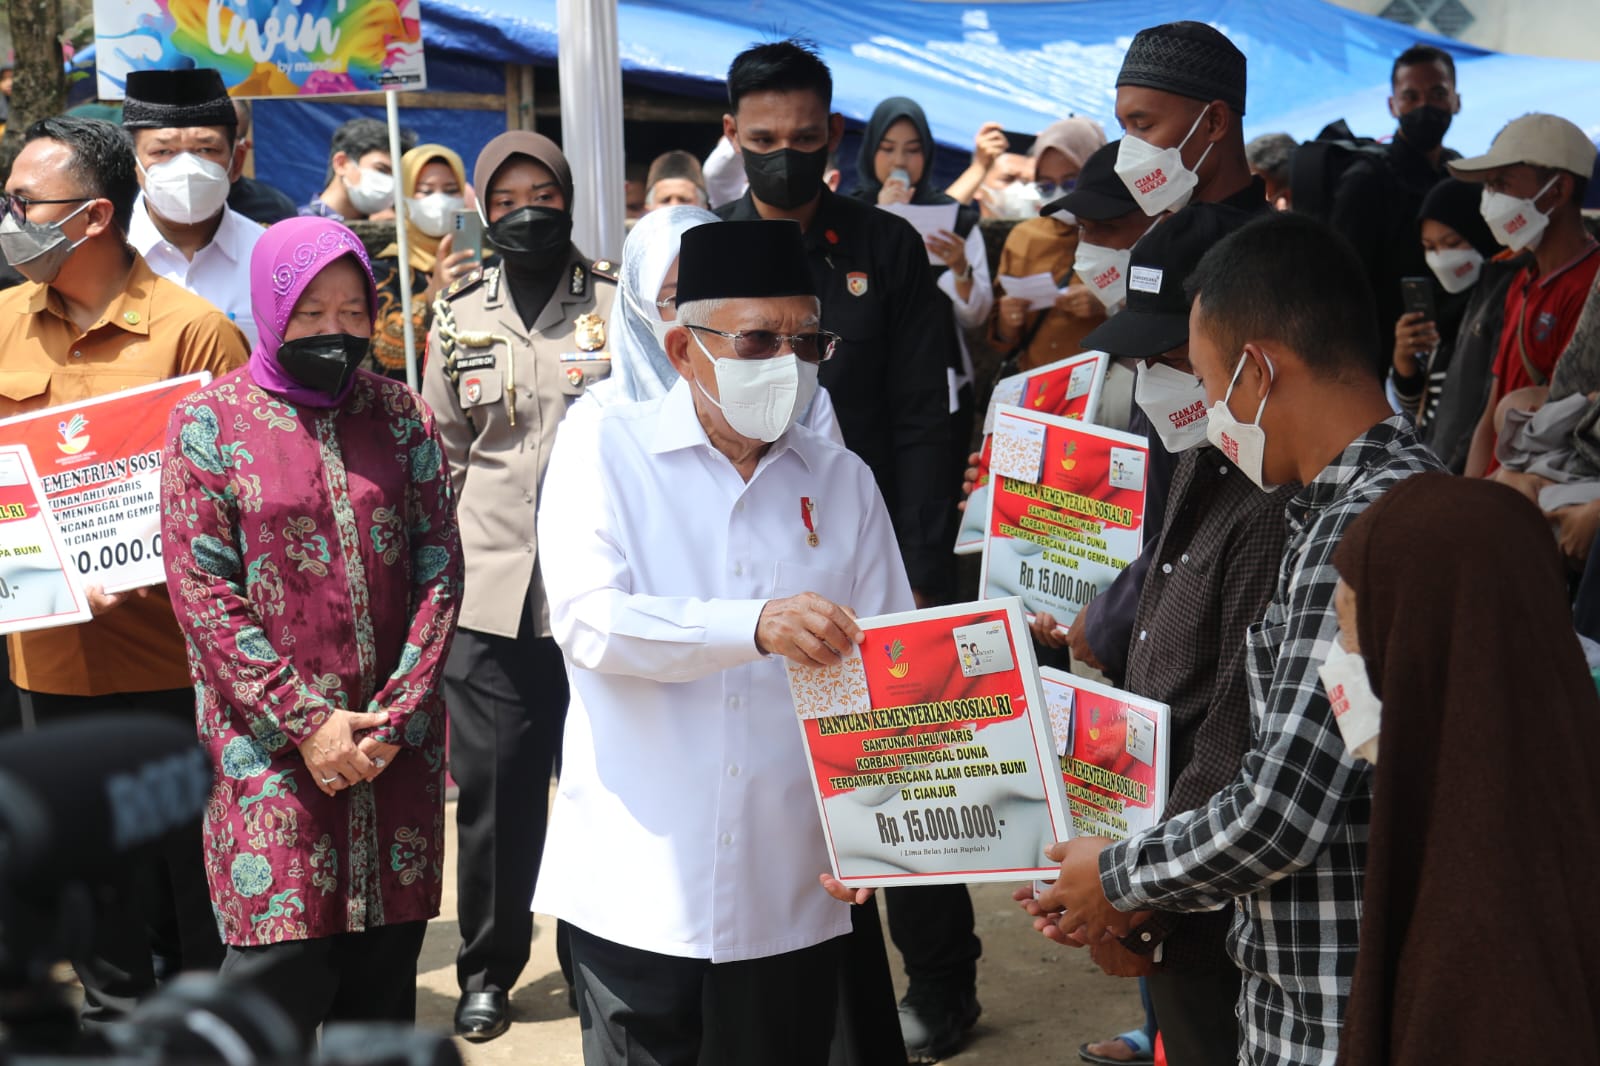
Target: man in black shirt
{"x":888,"y":385}
{"x":1376,"y":203}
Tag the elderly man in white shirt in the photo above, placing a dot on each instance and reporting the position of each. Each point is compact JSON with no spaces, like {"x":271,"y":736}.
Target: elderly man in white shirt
{"x":184,"y":130}
{"x":691,"y":543}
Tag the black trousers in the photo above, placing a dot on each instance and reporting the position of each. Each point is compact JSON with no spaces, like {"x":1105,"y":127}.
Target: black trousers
{"x":932,"y":926}
{"x":154,"y":917}
{"x":638,"y":1008}
{"x":369,"y":976}
{"x":868,"y":1031}
{"x":1197,"y":1016}
{"x":507,"y":701}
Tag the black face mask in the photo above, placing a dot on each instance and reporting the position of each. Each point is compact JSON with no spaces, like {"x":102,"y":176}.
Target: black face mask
{"x":532,"y":237}
{"x":1424,"y":127}
{"x":787,"y":178}
{"x":324,"y":362}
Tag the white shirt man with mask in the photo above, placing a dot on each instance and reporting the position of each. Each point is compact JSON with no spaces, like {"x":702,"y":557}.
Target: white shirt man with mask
{"x":717,"y":538}
{"x":184,"y":131}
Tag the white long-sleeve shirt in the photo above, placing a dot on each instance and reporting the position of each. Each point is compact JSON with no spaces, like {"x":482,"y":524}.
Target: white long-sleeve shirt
{"x":219,"y":272}
{"x":685,"y":822}
{"x":971,"y":313}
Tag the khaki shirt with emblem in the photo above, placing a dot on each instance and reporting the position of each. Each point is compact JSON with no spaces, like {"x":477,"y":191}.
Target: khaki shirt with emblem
{"x":152,"y":331}
{"x":499,"y":392}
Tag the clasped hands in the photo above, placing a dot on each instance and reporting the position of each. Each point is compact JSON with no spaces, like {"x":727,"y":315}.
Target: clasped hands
{"x":337,"y":759}
{"x":1074,"y":910}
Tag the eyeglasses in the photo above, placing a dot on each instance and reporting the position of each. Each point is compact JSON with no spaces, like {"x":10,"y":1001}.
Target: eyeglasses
{"x":16,"y":205}
{"x":764,"y":344}
{"x":1049,"y":190}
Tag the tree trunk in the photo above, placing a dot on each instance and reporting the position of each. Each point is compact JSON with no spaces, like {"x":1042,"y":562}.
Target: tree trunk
{"x":39,"y":86}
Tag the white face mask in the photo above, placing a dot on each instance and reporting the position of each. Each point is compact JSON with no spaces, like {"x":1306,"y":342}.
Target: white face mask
{"x":1515,"y":222}
{"x":658,"y":326}
{"x":1105,"y":271}
{"x":1018,"y":200}
{"x":761,"y":398}
{"x":435,"y":213}
{"x":1155,"y":176}
{"x":1356,"y":708}
{"x":186,"y":189}
{"x":1456,"y":268}
{"x":1174,"y":402}
{"x":1245,"y":446}
{"x":372,"y":193}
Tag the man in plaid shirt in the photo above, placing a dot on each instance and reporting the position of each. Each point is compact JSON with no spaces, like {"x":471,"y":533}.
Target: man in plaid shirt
{"x":1279,"y":337}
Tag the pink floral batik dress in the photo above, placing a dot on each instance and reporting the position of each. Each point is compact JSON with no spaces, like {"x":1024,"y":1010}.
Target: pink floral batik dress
{"x":314,"y":563}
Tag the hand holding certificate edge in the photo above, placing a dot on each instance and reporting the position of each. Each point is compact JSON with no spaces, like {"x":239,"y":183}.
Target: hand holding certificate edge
{"x":1088,"y":916}
{"x":807,"y":628}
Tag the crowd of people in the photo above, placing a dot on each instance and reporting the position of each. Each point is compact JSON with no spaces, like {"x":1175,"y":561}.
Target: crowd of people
{"x":1366,"y":373}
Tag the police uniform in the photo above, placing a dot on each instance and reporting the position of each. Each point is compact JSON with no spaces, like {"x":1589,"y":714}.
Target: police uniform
{"x":499,"y":391}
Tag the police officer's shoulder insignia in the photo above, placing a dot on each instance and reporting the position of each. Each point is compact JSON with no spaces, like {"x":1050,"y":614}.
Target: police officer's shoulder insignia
{"x":464,"y":282}
{"x":580,"y":280}
{"x":589,"y":332}
{"x":605,"y":270}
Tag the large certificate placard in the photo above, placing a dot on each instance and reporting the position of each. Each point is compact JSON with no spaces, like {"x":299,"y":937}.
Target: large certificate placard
{"x":930,"y":750}
{"x":1069,"y":388}
{"x":1114,"y":752}
{"x":1066,"y":511}
{"x":100,"y":464}
{"x":39,"y":588}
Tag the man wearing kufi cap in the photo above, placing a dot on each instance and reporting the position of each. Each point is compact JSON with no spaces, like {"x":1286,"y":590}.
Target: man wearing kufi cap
{"x":1180,"y":97}
{"x":692,"y":544}
{"x":512,"y":346}
{"x":184,"y":139}
{"x":675,"y":178}
{"x":1534,"y":177}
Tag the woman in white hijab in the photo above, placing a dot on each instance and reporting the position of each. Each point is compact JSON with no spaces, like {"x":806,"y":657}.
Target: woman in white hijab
{"x":646,"y":291}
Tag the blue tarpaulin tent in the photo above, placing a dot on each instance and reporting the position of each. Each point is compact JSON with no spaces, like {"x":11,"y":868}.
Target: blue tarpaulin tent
{"x":1021,"y":63}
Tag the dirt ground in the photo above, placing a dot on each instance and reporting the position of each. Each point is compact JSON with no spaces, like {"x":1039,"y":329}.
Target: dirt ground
{"x":1039,"y":1001}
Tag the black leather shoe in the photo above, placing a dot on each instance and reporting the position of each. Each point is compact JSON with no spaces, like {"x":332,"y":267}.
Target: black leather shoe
{"x":935,"y":1026}
{"x":482,"y":1016}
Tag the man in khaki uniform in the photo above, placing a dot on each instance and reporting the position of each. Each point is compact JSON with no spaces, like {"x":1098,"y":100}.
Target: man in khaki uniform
{"x":94,"y":319}
{"x":512,"y":347}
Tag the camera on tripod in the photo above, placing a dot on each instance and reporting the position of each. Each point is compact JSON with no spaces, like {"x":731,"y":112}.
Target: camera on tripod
{"x":76,"y":801}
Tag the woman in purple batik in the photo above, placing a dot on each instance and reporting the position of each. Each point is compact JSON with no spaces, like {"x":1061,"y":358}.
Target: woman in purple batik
{"x":313,"y":558}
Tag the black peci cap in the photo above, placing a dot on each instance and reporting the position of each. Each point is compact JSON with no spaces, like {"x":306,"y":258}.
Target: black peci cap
{"x":1099,"y":194}
{"x":1156,"y":317}
{"x":743,"y":260}
{"x":1187,"y":58}
{"x":167,"y":99}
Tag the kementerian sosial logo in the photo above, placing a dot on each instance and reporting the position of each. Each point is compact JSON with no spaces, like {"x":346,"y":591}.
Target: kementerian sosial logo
{"x":73,"y":438}
{"x":897,"y":667}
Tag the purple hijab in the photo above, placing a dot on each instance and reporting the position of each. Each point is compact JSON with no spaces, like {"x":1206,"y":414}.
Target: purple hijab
{"x":285,"y":259}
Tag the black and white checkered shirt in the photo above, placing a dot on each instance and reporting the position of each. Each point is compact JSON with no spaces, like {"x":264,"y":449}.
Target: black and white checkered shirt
{"x":1286,"y":841}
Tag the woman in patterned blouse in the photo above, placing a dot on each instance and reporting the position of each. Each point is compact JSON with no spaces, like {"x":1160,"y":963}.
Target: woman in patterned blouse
{"x":313,"y":560}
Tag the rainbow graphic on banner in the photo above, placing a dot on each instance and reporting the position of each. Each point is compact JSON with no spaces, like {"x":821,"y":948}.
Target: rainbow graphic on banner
{"x":265,"y":47}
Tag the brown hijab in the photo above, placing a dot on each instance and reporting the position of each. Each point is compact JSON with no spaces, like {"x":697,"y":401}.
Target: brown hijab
{"x":1479,"y":934}
{"x":535,"y":146}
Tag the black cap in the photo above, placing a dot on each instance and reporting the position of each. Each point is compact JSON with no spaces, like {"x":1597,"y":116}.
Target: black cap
{"x":167,"y":99}
{"x":1187,"y":58}
{"x":1156,"y":317}
{"x":1099,"y":194}
{"x":743,"y":260}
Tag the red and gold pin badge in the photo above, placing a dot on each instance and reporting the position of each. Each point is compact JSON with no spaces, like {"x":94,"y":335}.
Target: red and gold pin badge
{"x":808,"y":515}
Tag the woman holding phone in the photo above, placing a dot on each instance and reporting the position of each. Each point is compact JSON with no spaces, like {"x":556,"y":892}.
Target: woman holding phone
{"x":433,"y":189}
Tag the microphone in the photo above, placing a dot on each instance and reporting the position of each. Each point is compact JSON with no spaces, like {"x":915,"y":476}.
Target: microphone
{"x":77,"y":797}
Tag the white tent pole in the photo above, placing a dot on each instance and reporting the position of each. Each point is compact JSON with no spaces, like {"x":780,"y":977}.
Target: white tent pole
{"x":591,"y":121}
{"x":392,"y":104}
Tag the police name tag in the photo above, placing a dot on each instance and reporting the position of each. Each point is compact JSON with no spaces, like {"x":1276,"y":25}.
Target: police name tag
{"x":475,"y":362}
{"x":983,"y":648}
